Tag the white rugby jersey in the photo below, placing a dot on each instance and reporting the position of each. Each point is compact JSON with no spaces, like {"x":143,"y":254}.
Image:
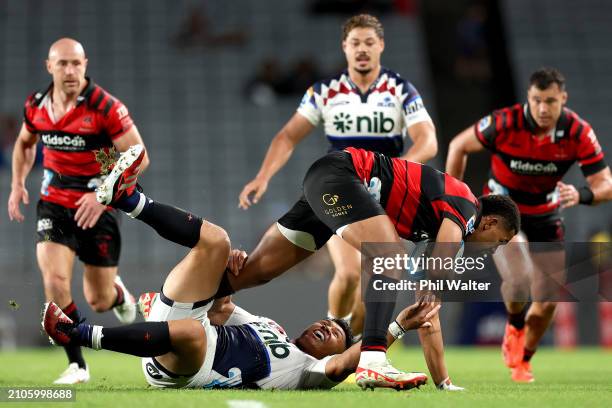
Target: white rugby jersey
{"x":281,"y":364}
{"x":376,"y":120}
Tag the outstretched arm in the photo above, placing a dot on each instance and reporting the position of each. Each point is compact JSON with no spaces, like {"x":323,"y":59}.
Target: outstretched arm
{"x":424,"y":143}
{"x":279,"y":152}
{"x":417,"y":315}
{"x":24,"y":154}
{"x":463,"y":144}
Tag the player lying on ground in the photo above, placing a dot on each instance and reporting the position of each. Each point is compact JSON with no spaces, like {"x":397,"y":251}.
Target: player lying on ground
{"x":230,"y":347}
{"x":183,"y":348}
{"x":403,"y":199}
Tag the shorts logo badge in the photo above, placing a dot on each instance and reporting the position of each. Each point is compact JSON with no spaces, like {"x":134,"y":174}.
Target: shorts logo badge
{"x":153,"y":371}
{"x":329,"y":199}
{"x":45,"y":224}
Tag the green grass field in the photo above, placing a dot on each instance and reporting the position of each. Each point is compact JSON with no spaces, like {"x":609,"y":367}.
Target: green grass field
{"x":580,"y":378}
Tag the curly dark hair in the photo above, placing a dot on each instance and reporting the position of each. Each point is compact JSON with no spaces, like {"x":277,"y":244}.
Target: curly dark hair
{"x":346,"y":328}
{"x":504,"y":207}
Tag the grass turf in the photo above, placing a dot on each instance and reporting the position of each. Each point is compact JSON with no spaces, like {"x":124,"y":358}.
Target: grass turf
{"x":563,"y":379}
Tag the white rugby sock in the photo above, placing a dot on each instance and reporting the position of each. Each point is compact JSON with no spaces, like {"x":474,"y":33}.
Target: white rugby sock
{"x":368,"y":357}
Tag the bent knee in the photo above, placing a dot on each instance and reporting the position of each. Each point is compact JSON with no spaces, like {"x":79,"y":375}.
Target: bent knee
{"x":99,"y":303}
{"x":347,"y":276}
{"x":57,"y":283}
{"x":214,"y":237}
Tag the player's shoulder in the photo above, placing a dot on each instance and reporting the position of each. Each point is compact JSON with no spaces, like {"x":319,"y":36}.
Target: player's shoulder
{"x":507,"y":117}
{"x":395,"y":80}
{"x":99,"y":99}
{"x":330,"y":82}
{"x":514,"y":110}
{"x":574,"y":121}
{"x":35,"y":98}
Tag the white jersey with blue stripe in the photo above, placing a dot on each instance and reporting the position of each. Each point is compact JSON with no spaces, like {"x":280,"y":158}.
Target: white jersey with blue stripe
{"x":255,"y":352}
{"x":376,"y":120}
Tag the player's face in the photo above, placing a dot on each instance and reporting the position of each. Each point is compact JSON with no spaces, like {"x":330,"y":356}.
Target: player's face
{"x":322,"y":338}
{"x":490,"y":234}
{"x":546,"y":105}
{"x":67,"y":66}
{"x":363,"y":49}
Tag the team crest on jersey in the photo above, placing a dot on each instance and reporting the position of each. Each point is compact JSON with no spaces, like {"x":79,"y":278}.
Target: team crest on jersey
{"x":484,"y":123}
{"x":386,"y":103}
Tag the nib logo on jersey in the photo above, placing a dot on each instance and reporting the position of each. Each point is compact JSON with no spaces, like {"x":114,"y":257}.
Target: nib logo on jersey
{"x":535,"y":168}
{"x":64,"y":142}
{"x":375,"y":123}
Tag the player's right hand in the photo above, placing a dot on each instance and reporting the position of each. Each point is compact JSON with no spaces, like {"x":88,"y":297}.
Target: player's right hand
{"x":255,"y":188}
{"x":419,"y":314}
{"x":18,"y":195}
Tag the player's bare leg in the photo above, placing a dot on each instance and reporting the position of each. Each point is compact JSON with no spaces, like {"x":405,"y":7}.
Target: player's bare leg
{"x":273,"y":256}
{"x":104,"y":290}
{"x":342,"y":289}
{"x":548,"y":279}
{"x":514,"y":265}
{"x":56,"y":262}
{"x":358,"y":313}
{"x":197,"y":276}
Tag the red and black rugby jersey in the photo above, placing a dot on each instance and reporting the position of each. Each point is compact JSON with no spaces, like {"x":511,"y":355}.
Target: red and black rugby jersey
{"x":416,"y":197}
{"x":69,"y":144}
{"x":527,"y":167}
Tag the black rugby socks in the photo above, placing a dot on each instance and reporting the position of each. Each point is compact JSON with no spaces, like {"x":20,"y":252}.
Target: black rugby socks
{"x":148,"y":339}
{"x":73,"y":351}
{"x":379,"y":313}
{"x":171,"y":223}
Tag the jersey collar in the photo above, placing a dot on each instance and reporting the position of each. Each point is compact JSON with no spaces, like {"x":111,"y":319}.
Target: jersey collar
{"x":84,"y":96}
{"x":557,"y":133}
{"x":364,"y":96}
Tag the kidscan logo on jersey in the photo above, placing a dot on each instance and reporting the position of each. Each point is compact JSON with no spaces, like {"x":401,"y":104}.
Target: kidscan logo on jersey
{"x":520,"y":166}
{"x":377,"y":123}
{"x":63,"y":142}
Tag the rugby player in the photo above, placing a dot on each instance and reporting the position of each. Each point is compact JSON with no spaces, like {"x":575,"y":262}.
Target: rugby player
{"x":532,"y":146}
{"x":186,"y":344}
{"x":366,"y":106}
{"x":74,"y":117}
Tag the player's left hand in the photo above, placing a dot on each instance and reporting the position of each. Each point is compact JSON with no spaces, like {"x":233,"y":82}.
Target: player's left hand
{"x":236,"y":261}
{"x":89,"y":211}
{"x":568,"y":195}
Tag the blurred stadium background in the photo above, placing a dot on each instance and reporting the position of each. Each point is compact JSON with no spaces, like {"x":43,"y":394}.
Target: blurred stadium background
{"x":209,"y":83}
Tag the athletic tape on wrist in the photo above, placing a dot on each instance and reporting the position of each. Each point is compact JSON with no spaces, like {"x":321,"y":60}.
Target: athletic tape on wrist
{"x":396,"y":330}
